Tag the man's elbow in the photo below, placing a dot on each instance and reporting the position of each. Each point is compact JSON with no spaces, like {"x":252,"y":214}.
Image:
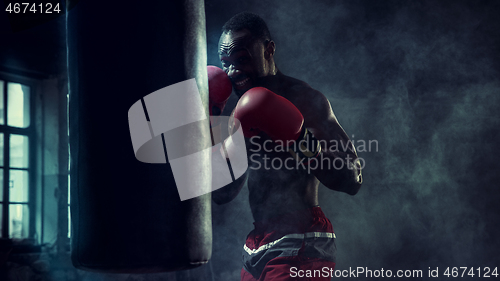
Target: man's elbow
{"x":354,"y":185}
{"x":221,"y":198}
{"x":347,"y":179}
{"x":350,"y":184}
{"x":353,"y":188}
{"x":217,"y":200}
{"x":227,"y":193}
{"x":354,"y":180}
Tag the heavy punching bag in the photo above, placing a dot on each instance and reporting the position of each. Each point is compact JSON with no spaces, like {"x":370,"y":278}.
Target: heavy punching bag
{"x":127,"y":215}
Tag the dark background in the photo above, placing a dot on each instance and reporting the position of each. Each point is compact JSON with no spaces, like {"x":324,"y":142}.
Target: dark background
{"x":422,"y":78}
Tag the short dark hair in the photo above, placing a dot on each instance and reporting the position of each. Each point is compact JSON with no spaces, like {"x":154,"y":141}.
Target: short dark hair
{"x":246,"y":20}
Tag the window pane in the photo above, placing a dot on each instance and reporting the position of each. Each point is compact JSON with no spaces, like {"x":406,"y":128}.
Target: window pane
{"x":1,"y":188}
{"x":69,"y":222}
{"x":69,"y":207}
{"x":1,"y":149}
{"x":2,"y":122}
{"x":69,"y":189}
{"x":18,"y":221}
{"x":18,"y":151}
{"x":18,"y":183}
{"x":18,"y":102}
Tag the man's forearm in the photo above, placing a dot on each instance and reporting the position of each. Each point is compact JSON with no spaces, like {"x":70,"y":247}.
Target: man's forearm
{"x":340,"y":171}
{"x":227,"y":193}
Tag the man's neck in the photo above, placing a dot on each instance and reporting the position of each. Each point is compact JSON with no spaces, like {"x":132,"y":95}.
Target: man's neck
{"x":270,"y":81}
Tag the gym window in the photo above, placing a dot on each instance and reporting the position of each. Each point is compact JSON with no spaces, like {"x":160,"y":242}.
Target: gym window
{"x":17,"y":132}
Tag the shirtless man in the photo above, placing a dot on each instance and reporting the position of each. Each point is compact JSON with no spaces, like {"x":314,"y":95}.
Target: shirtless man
{"x":291,"y":232}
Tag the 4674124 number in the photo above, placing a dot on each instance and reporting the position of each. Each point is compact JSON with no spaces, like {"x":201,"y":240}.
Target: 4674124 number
{"x":464,"y":271}
{"x":42,"y":8}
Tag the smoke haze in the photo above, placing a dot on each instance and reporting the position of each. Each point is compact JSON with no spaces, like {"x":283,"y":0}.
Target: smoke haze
{"x":420,"y":78}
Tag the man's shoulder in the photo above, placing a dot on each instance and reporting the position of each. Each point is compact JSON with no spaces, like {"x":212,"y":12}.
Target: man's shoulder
{"x":299,"y":90}
{"x":295,"y":84}
{"x":311,"y":102}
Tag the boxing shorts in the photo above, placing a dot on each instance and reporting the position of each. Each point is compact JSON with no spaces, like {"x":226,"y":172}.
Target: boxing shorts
{"x":279,"y":249}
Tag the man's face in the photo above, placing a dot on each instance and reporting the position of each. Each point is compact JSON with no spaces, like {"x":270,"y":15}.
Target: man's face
{"x":242,"y":58}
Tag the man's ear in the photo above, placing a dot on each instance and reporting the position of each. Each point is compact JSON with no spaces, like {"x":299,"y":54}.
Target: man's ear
{"x":270,"y":49}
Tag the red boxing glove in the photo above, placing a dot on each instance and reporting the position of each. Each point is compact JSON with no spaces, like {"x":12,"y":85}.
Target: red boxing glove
{"x":259,"y":109}
{"x":219,"y":89}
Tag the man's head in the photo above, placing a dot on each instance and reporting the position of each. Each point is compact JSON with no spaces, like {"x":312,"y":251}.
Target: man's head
{"x":246,"y":50}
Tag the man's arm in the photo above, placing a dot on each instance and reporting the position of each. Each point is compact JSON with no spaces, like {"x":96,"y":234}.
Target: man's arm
{"x":227,"y":193}
{"x":321,"y":121}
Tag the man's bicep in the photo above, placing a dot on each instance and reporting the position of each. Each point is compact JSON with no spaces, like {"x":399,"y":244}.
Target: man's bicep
{"x":332,"y":137}
{"x":323,"y":123}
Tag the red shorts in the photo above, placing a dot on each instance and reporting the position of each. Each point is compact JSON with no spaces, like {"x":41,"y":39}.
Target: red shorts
{"x":282,"y":250}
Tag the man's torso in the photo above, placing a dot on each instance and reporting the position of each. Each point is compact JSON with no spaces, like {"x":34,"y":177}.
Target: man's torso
{"x":277,"y":184}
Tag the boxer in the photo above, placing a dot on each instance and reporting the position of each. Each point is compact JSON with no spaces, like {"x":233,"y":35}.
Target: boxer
{"x":289,"y":123}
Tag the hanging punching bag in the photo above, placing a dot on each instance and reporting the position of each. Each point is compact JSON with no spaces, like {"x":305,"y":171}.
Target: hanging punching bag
{"x":127,"y":215}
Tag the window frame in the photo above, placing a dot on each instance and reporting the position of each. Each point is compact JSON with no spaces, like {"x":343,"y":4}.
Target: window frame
{"x":31,"y":133}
